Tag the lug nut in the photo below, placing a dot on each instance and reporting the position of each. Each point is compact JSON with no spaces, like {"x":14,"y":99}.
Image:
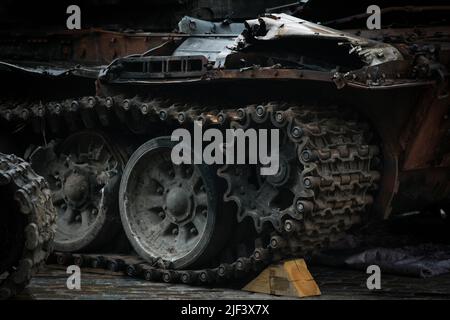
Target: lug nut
{"x":162,"y":215}
{"x":193,"y":231}
{"x":175,"y":231}
{"x":160,"y":190}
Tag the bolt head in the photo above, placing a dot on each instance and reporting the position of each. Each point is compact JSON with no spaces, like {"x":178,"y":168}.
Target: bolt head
{"x":109,"y":102}
{"x":300,"y":206}
{"x":260,"y":111}
{"x":273,"y":243}
{"x":297,"y":132}
{"x":306,"y":155}
{"x":279,"y":116}
{"x":307,"y":182}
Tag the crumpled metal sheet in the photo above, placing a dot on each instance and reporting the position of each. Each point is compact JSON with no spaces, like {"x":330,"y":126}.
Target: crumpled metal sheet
{"x":208,"y":47}
{"x":195,"y":26}
{"x":282,"y":26}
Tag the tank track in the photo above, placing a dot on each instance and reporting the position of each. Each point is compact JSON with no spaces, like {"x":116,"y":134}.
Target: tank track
{"x":333,"y":181}
{"x":33,"y":203}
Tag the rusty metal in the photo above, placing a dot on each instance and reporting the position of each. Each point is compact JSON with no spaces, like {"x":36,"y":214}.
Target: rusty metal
{"x":385,"y":146}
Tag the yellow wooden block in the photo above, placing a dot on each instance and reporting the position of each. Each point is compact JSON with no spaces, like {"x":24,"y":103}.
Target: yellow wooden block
{"x":291,"y":278}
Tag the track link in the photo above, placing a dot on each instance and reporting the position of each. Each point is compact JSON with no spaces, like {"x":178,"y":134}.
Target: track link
{"x":31,"y":205}
{"x":332,"y":173}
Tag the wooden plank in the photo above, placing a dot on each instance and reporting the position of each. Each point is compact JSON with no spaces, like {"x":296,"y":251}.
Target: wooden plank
{"x":291,"y":278}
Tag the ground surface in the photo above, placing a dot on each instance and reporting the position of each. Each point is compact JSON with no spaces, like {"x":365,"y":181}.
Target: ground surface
{"x":334,"y":284}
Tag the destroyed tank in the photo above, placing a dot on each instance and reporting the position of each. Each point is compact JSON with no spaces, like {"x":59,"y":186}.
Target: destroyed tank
{"x":362,"y":117}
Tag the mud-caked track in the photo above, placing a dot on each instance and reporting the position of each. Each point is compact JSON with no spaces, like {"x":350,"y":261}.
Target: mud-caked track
{"x":329,"y":170}
{"x":27,"y":224}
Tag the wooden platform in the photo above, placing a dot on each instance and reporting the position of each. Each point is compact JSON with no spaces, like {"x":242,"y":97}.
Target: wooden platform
{"x":333,"y":283}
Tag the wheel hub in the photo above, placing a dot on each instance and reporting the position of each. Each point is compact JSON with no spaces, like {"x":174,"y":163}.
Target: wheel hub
{"x":76,"y":189}
{"x":81,"y":172}
{"x":179,"y":204}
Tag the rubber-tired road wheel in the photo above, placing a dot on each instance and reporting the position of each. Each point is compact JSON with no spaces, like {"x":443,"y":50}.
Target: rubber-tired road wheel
{"x":172,"y":212}
{"x":84,"y":176}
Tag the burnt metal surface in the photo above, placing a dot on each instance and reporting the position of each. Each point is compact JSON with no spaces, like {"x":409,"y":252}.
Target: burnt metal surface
{"x":394,"y":80}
